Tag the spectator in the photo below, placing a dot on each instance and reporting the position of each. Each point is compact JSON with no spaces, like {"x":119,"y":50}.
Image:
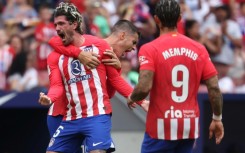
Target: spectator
{"x":44,"y":31}
{"x":222,"y":66}
{"x":192,"y":30}
{"x":19,"y":17}
{"x":223,"y":26}
{"x":138,"y":13}
{"x":110,"y":6}
{"x":22,"y":75}
{"x":126,"y":72}
{"x":99,"y":17}
{"x":6,"y":58}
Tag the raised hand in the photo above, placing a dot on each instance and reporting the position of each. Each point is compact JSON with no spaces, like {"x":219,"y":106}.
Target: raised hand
{"x":44,"y":99}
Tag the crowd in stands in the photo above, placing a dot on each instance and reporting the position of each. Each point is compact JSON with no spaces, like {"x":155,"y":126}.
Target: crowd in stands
{"x":26,"y":26}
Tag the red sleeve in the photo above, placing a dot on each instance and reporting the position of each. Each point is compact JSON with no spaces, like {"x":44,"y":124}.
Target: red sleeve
{"x":146,"y":59}
{"x":56,"y":89}
{"x":70,"y":51}
{"x":209,"y":69}
{"x":110,"y":90}
{"x":117,"y":82}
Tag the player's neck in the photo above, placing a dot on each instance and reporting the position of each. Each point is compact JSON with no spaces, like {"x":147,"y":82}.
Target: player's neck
{"x":166,"y":30}
{"x":78,"y":40}
{"x":110,"y":40}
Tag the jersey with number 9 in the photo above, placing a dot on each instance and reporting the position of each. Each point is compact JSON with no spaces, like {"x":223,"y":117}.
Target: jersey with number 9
{"x":179,"y":65}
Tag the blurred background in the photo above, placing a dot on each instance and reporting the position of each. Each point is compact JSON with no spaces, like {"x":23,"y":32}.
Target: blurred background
{"x":26,"y":26}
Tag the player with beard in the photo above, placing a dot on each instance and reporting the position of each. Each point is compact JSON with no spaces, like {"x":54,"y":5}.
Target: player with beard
{"x":171,"y":69}
{"x":123,"y":39}
{"x":87,"y":102}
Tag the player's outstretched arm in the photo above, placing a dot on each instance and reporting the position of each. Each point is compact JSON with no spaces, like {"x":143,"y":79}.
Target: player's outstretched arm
{"x":90,"y":60}
{"x":215,"y":97}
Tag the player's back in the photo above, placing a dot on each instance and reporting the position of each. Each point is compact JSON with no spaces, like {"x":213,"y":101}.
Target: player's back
{"x":179,"y":65}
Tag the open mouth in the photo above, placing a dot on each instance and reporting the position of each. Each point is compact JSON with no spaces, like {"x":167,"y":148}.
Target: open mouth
{"x":62,"y":36}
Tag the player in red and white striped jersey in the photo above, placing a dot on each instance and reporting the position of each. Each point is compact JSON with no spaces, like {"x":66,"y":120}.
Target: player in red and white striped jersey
{"x":85,"y":89}
{"x":171,"y":69}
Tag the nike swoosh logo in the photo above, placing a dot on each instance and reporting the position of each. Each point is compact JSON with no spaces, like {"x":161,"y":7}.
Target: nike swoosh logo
{"x":96,"y":144}
{"x":6,"y":98}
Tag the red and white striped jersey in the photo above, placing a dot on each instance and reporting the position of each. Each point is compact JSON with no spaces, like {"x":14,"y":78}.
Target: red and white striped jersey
{"x":85,"y":90}
{"x":179,"y":64}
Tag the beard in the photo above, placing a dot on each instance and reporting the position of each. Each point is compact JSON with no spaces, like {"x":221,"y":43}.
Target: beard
{"x":66,"y":37}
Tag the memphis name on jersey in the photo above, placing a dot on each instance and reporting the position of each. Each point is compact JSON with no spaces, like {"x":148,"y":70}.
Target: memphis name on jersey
{"x":171,"y":52}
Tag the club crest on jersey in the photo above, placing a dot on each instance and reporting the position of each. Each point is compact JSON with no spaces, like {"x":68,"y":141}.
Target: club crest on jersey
{"x":172,"y":113}
{"x":76,"y":68}
{"x":91,"y":48}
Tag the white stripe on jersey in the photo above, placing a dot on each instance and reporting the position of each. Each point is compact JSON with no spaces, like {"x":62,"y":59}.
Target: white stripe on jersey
{"x":160,"y":129}
{"x":87,"y":94}
{"x":51,"y":109}
{"x":74,"y":92}
{"x":99,"y":91}
{"x":173,"y":129}
{"x":68,"y":96}
{"x":187,"y":127}
{"x":196,"y":127}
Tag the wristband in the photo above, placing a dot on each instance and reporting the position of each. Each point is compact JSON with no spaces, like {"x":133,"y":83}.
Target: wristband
{"x":217,"y":117}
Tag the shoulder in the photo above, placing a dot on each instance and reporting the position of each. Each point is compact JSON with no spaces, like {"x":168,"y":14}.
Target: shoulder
{"x":53,"y":57}
{"x":94,"y":39}
{"x":98,"y":42}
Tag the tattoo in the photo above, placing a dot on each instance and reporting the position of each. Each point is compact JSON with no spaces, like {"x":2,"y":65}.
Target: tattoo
{"x":214,"y":95}
{"x":144,"y":85}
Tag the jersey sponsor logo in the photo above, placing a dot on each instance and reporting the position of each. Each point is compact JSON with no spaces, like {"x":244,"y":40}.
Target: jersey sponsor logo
{"x":91,"y":48}
{"x":172,"y":113}
{"x":175,"y":113}
{"x":80,"y":78}
{"x":96,"y":144}
{"x":76,"y":68}
{"x":142,"y":60}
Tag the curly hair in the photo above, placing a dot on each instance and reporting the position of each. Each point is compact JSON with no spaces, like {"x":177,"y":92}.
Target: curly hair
{"x":71,"y":13}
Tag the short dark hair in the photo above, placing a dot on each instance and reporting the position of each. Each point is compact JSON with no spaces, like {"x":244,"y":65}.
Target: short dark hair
{"x":168,"y":11}
{"x":71,"y":13}
{"x":125,"y":25}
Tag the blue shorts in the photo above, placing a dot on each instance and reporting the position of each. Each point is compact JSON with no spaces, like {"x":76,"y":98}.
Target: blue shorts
{"x":70,"y":134}
{"x":53,"y":123}
{"x":151,"y":145}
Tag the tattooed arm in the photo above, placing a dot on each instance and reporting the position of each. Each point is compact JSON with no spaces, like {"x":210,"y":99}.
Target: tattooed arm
{"x":215,"y":97}
{"x":143,"y":88}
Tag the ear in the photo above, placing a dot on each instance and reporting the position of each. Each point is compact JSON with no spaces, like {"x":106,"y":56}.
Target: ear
{"x":122,"y":35}
{"x":74,"y":24}
{"x":157,"y":20}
